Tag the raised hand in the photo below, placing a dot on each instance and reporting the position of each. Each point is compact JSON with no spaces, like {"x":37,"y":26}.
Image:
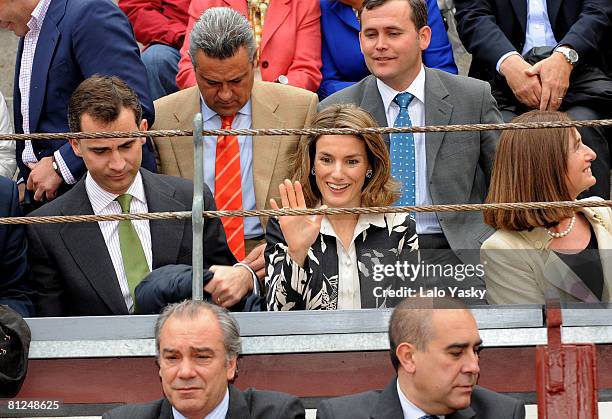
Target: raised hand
{"x":300,"y":232}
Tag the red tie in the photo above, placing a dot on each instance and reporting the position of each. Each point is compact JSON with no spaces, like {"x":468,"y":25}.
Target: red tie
{"x":228,"y":187}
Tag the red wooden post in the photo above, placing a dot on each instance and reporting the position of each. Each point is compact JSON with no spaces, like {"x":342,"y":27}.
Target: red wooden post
{"x":566,"y":374}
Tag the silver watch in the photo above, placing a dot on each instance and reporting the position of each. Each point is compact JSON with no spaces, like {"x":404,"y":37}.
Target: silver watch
{"x":570,"y":54}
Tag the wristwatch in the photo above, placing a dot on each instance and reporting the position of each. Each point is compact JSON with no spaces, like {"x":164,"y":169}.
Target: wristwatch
{"x":56,"y":167}
{"x":570,"y":54}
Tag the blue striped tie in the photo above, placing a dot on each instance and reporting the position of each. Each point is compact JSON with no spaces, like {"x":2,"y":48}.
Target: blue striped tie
{"x":402,"y":152}
{"x":429,"y":417}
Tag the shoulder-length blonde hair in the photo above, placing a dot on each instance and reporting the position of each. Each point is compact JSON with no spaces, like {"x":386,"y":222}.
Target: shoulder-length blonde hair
{"x":530,"y":166}
{"x":380,"y":189}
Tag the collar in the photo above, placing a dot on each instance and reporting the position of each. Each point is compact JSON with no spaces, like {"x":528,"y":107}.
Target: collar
{"x":409,"y":409}
{"x":38,"y":15}
{"x":363,"y":223}
{"x":219,"y":412}
{"x":416,"y":88}
{"x":208,"y":113}
{"x":101,"y":198}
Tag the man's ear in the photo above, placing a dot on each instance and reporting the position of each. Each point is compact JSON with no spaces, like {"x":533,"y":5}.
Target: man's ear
{"x":144,"y":126}
{"x":76,"y":147}
{"x":424,"y":37}
{"x":231,"y":368}
{"x":405,"y":354}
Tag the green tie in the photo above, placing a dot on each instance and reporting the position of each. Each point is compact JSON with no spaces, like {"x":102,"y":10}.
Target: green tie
{"x":134,"y":261}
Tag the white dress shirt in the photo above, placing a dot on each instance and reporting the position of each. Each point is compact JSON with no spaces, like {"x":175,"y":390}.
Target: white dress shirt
{"x":426,"y":223}
{"x":349,"y":290}
{"x":25,"y":76}
{"x":538,"y":31}
{"x":104,"y":203}
{"x":219,"y":412}
{"x":409,"y":409}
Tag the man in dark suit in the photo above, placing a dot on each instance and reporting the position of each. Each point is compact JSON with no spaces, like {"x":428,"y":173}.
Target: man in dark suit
{"x":498,"y":33}
{"x":94,"y":268}
{"x":13,"y":248}
{"x":62,"y":43}
{"x":197,"y":346}
{"x":451,"y":168}
{"x":434,"y":345}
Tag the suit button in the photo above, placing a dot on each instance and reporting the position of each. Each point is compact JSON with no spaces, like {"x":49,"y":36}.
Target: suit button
{"x":264,"y":64}
{"x":538,"y":244}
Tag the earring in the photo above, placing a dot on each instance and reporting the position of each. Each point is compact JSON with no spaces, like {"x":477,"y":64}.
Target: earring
{"x":312,"y":172}
{"x":369,"y":173}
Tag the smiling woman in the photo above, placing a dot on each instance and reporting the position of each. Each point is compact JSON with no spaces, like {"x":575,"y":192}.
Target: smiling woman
{"x":557,"y":252}
{"x":329,"y":262}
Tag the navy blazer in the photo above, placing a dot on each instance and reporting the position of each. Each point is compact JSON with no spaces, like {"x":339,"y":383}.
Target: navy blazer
{"x":79,"y":38}
{"x":343,"y":62}
{"x":13,"y":262}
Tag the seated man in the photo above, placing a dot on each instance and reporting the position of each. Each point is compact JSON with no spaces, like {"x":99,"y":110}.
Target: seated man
{"x":434,"y":348}
{"x":93,"y":268}
{"x":223,"y":54}
{"x":197,"y":347}
{"x":13,"y":249}
{"x":435,"y":167}
{"x":547,"y":55}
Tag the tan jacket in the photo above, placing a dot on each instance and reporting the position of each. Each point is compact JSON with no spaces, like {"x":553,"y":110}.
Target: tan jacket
{"x":519,"y":268}
{"x":273,"y":106}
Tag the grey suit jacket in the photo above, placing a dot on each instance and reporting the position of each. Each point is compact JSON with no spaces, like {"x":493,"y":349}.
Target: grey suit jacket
{"x":459,"y":164}
{"x":250,"y":404}
{"x":385,"y":404}
{"x":71,"y":268}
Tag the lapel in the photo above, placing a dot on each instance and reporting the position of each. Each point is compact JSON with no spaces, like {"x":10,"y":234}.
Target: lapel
{"x":45,"y":49}
{"x":265,"y":148}
{"x":372,"y":102}
{"x":165,"y":412}
{"x":345,"y":14}
{"x":553,"y":7}
{"x":437,"y":112}
{"x":85,"y":243}
{"x":17,"y":93}
{"x":166,"y":235}
{"x":183,"y":146}
{"x":388,"y":405}
{"x":520,"y":9}
{"x":238,"y":407}
{"x":279,"y":10}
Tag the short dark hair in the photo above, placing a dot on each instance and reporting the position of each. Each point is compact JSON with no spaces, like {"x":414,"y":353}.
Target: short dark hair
{"x":418,"y":10}
{"x":102,"y":98}
{"x":411,"y":322}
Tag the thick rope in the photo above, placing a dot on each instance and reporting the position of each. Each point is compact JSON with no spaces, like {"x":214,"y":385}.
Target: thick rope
{"x":309,"y":211}
{"x":307,"y":131}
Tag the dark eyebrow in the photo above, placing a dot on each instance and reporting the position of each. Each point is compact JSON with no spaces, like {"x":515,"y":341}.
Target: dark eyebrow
{"x":462,"y":345}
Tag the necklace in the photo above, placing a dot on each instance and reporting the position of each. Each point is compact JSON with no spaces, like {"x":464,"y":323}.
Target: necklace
{"x":564,"y":232}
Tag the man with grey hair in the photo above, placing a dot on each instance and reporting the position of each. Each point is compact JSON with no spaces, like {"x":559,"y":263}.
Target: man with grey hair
{"x":243,"y":172}
{"x":434,"y":349}
{"x":197,"y":346}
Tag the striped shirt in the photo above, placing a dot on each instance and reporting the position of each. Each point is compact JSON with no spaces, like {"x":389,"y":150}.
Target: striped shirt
{"x":103,"y":203}
{"x":25,"y":77}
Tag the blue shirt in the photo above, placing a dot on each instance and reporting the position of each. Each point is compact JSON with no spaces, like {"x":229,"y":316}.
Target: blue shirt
{"x":243,"y":119}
